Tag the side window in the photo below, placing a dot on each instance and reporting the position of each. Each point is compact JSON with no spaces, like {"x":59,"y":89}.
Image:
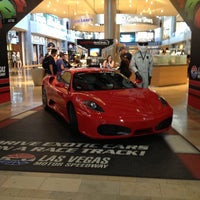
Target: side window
{"x":66,"y":77}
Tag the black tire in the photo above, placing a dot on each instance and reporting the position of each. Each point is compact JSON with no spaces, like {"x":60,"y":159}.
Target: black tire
{"x":44,"y":99}
{"x":73,"y":122}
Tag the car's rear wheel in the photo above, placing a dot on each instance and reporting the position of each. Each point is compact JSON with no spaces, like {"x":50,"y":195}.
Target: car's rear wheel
{"x":73,"y":122}
{"x":44,"y":99}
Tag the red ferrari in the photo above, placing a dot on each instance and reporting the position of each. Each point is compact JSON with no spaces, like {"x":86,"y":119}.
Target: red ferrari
{"x":103,"y":104}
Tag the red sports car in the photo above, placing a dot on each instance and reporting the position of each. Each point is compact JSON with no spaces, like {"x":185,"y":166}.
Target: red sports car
{"x":103,"y":104}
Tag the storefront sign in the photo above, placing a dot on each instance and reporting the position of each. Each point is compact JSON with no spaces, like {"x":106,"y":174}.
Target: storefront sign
{"x":82,"y":20}
{"x":130,"y":19}
{"x":133,"y":19}
{"x":95,"y":43}
{"x":35,"y":39}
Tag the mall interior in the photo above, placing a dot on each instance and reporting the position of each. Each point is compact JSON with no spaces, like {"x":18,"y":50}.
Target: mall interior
{"x":171,"y":42}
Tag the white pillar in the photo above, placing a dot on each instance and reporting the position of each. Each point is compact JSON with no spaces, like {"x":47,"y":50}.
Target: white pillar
{"x":109,"y":19}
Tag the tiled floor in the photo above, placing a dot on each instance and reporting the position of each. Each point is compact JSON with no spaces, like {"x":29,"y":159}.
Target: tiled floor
{"x":43,"y":186}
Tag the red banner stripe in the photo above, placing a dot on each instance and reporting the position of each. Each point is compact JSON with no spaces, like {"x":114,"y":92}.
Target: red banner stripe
{"x":4,"y":80}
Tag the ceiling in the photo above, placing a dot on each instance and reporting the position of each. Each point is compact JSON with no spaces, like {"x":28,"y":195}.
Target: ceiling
{"x":72,"y":8}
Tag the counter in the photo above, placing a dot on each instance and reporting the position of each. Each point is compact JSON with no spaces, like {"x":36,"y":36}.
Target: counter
{"x":169,"y":70}
{"x":166,"y":75}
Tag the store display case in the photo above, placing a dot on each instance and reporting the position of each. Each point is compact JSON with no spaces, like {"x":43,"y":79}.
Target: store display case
{"x":170,"y":59}
{"x":169,"y":70}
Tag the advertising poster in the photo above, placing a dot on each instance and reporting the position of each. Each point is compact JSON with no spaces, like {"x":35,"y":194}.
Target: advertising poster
{"x":190,"y":12}
{"x":8,"y":14}
{"x":11,"y":12}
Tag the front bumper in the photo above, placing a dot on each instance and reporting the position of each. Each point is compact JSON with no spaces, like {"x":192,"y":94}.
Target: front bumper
{"x":101,"y":126}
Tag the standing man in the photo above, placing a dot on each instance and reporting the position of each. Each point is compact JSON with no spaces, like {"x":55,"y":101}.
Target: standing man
{"x":14,"y":60}
{"x":51,"y":62}
{"x":124,"y":67}
{"x":142,"y":65}
{"x":18,"y":60}
{"x":60,"y":62}
{"x":66,"y":61}
{"x":122,"y":51}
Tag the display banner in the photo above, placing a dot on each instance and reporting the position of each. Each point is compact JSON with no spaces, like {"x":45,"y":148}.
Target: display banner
{"x":102,"y":43}
{"x":190,"y":12}
{"x":4,"y":69}
{"x":11,"y":12}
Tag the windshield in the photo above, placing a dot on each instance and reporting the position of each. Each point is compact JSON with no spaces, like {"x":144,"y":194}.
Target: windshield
{"x":100,"y":81}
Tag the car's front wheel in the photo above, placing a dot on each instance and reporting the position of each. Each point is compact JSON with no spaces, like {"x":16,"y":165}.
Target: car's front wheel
{"x":73,"y":122}
{"x":44,"y":99}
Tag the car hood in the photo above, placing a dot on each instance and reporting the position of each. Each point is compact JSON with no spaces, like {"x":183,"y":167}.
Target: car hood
{"x":136,"y":100}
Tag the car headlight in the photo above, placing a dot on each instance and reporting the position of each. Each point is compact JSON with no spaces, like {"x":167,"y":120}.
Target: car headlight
{"x":163,"y":101}
{"x":94,"y":106}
